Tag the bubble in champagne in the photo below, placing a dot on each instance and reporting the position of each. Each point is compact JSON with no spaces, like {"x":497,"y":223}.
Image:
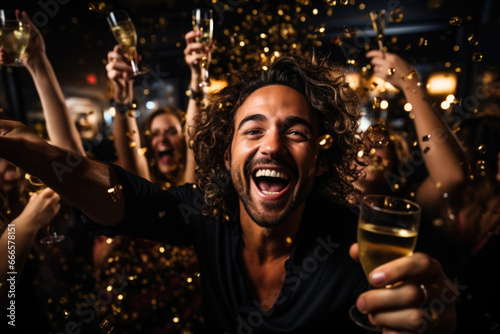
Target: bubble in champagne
{"x":325,"y":142}
{"x":455,"y":21}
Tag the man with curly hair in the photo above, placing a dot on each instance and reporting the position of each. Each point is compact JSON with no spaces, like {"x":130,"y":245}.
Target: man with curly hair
{"x":268,"y":219}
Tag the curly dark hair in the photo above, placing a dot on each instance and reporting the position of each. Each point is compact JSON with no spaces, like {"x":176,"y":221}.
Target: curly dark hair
{"x":157,"y":177}
{"x":324,"y":87}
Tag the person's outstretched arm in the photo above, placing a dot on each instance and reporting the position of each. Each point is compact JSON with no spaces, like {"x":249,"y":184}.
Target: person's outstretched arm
{"x":442,"y":152}
{"x":17,"y":239}
{"x":126,"y":133}
{"x":88,"y":185}
{"x":61,"y":127}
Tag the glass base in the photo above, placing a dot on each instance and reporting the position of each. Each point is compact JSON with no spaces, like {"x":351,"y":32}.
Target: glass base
{"x":52,"y":239}
{"x":137,"y":74}
{"x":362,"y":320}
{"x":204,"y":83}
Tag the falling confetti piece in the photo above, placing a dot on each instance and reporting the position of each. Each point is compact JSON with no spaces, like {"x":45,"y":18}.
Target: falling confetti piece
{"x":396,"y":15}
{"x":411,"y":74}
{"x":348,"y":32}
{"x":472,"y":40}
{"x":456,"y":21}
{"x":325,"y":142}
{"x":477,"y":57}
{"x":376,"y":102}
{"x":391,"y":71}
{"x":481,"y":149}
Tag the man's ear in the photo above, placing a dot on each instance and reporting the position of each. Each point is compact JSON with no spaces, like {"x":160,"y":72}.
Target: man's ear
{"x":227,"y":159}
{"x":321,"y":166}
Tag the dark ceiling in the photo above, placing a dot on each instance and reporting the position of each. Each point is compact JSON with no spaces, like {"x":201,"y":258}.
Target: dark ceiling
{"x":78,"y":38}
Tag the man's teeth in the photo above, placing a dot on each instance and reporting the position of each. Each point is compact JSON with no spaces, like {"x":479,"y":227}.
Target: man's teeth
{"x":271,"y":173}
{"x":270,"y":192}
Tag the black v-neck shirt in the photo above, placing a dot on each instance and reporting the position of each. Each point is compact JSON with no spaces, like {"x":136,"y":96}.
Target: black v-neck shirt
{"x":321,"y":283}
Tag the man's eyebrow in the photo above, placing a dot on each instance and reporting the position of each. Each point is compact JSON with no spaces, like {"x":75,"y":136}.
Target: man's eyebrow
{"x":254,"y":117}
{"x":293,"y":120}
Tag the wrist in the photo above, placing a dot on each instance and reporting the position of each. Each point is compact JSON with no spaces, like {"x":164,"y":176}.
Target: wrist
{"x":122,"y":108}
{"x":195,"y":93}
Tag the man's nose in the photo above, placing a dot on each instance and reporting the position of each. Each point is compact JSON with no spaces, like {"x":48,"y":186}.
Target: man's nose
{"x":272,"y":143}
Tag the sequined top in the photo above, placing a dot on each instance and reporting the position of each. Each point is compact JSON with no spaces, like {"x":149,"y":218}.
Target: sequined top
{"x":322,"y":282}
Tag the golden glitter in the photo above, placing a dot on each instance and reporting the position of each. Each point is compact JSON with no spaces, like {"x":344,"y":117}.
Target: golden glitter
{"x":455,"y":21}
{"x":161,"y":249}
{"x":142,"y":151}
{"x":411,"y":74}
{"x":109,"y":240}
{"x":115,"y":192}
{"x":344,"y":2}
{"x":396,"y":186}
{"x":396,"y":15}
{"x":391,"y":71}
{"x":189,"y":280}
{"x":472,"y":40}
{"x":456,"y":48}
{"x":348,"y":32}
{"x":438,"y":185}
{"x":120,"y":297}
{"x":376,"y":102}
{"x":361,"y":153}
{"x":132,"y":144}
{"x":147,"y":133}
{"x":325,"y":142}
{"x":109,"y":288}
{"x":477,"y":57}
{"x":481,"y":149}
{"x":412,"y":194}
{"x":288,"y":240}
{"x":422,"y":42}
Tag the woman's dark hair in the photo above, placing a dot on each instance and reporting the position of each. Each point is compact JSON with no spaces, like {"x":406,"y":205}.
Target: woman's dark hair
{"x":156,"y":176}
{"x":324,"y":87}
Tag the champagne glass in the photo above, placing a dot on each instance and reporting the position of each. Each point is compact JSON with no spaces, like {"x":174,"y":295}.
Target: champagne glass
{"x":125,"y":34}
{"x":203,"y":22}
{"x":37,"y":186}
{"x":378,"y":22}
{"x":387,"y":230}
{"x":14,"y":35}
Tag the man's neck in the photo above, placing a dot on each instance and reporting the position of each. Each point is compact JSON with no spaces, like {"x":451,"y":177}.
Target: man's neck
{"x":269,"y":243}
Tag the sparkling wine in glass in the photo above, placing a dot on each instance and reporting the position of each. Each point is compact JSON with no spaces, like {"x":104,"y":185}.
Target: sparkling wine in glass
{"x":387,"y":230}
{"x":123,"y":30}
{"x":36,"y":185}
{"x":203,"y":22}
{"x":14,"y":35}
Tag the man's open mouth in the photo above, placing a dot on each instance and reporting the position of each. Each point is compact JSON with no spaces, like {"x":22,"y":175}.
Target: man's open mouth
{"x":271,"y":181}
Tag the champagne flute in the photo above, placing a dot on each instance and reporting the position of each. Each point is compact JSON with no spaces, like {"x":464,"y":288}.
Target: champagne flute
{"x":37,"y":186}
{"x":378,"y":22}
{"x":203,"y":22}
{"x":14,"y":35}
{"x":387,"y":230}
{"x":125,"y":34}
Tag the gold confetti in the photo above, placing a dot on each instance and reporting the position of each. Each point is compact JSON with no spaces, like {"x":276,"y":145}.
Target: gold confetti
{"x":376,"y":102}
{"x":456,"y":21}
{"x":115,"y":192}
{"x":288,"y":240}
{"x":438,"y":185}
{"x":142,"y":151}
{"x":396,"y":15}
{"x":472,"y":40}
{"x":391,"y":71}
{"x":477,"y":57}
{"x":132,"y":144}
{"x":348,"y":32}
{"x":411,"y":74}
{"x":325,"y":142}
{"x":481,"y":149}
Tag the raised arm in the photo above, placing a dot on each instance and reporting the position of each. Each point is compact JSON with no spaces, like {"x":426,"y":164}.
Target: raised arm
{"x":441,"y":150}
{"x":61,"y":127}
{"x":88,"y":185}
{"x":125,"y":129}
{"x":17,"y":239}
{"x":192,"y":54}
